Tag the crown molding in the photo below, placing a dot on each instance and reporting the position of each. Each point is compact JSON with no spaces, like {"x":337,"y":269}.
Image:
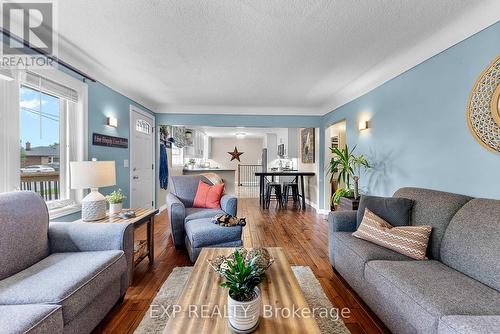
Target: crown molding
{"x":462,"y":28}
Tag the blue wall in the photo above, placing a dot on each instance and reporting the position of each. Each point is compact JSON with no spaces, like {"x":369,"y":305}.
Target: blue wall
{"x":104,"y":102}
{"x":418,"y":132}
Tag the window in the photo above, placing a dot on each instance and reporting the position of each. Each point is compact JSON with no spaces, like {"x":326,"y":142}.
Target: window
{"x":177,"y":156}
{"x":39,"y":131}
{"x":143,"y":126}
{"x":46,"y":111}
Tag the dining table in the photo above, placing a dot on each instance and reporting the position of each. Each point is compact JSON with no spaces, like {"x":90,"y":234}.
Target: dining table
{"x":273,"y":174}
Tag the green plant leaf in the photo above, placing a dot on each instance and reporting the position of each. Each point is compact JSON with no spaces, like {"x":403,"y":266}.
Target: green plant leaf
{"x":346,"y":165}
{"x":241,"y":278}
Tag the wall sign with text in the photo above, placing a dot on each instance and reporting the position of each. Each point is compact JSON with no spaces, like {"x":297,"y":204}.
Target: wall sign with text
{"x":109,"y":141}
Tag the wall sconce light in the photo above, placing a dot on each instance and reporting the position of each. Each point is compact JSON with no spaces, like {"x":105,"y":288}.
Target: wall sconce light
{"x":363,"y":125}
{"x":111,"y":121}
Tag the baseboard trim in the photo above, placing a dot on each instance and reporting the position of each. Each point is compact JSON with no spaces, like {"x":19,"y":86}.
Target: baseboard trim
{"x":323,"y":212}
{"x":315,"y":207}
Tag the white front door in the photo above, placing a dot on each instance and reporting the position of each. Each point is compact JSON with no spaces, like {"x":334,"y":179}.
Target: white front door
{"x":141,"y":159}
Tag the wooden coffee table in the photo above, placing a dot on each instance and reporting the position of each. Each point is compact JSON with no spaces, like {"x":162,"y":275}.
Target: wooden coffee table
{"x":279,"y":290}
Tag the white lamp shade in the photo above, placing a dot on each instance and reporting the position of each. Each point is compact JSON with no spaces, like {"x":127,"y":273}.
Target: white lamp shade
{"x":92,"y":174}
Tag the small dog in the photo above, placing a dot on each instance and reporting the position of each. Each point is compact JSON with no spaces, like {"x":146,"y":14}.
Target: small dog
{"x":228,"y":220}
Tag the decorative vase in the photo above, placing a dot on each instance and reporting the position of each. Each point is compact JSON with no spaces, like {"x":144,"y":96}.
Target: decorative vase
{"x":356,"y":187}
{"x":244,"y":316}
{"x":115,"y":208}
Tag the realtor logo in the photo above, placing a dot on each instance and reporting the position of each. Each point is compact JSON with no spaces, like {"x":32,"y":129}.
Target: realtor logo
{"x":31,"y":22}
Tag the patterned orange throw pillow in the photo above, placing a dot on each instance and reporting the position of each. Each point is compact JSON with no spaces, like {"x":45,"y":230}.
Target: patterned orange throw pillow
{"x":408,"y":240}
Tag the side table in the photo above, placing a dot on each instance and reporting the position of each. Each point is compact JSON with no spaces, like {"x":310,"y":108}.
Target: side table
{"x":142,"y":216}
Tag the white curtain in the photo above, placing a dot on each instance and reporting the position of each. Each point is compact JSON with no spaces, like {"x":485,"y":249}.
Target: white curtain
{"x":9,"y":135}
{"x":75,"y":141}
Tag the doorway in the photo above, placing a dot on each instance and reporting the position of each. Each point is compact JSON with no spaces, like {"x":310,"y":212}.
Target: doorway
{"x":142,"y":166}
{"x":335,"y":136}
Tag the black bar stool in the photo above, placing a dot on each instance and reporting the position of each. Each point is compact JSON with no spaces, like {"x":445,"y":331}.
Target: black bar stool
{"x":276,"y":186}
{"x":294,"y":187}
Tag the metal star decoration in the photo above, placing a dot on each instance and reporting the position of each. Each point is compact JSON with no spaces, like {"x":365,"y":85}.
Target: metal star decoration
{"x":235,"y":154}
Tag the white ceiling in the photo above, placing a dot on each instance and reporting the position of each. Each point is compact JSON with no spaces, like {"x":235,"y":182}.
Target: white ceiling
{"x":258,"y":56}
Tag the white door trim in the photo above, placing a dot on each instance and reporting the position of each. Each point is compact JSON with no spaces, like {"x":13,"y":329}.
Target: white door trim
{"x":134,"y":109}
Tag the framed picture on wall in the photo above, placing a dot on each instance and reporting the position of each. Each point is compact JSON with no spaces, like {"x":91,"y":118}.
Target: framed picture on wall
{"x":307,"y":147}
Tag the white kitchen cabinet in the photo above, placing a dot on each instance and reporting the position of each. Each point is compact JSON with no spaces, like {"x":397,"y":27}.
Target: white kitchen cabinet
{"x":207,"y":148}
{"x":197,"y":150}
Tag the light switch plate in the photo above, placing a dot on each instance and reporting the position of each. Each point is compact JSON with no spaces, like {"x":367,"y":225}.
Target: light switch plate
{"x":125,"y":163}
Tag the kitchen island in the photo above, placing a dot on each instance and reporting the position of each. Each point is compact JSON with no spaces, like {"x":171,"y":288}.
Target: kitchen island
{"x":227,"y":175}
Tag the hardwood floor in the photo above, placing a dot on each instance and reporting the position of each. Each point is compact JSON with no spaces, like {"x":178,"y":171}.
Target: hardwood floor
{"x":302,"y":233}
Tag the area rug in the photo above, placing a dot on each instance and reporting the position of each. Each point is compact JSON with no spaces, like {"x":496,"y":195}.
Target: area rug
{"x":172,"y":287}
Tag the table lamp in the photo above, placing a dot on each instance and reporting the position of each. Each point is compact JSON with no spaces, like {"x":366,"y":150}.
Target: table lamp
{"x":93,"y":174}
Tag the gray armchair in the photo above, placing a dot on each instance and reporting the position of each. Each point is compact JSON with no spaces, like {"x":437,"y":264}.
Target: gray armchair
{"x":180,"y":205}
{"x":58,"y":277}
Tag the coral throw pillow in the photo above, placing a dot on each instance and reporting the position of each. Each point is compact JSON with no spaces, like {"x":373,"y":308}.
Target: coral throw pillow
{"x":408,"y":240}
{"x":208,"y":196}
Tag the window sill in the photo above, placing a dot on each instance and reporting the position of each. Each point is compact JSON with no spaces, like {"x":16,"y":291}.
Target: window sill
{"x":64,"y":211}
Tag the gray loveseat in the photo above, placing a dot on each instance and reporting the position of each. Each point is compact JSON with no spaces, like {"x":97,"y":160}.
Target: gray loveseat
{"x":191,"y":227}
{"x":58,"y":277}
{"x":455,"y":291}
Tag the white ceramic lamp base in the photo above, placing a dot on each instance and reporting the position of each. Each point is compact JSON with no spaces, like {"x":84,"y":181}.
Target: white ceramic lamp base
{"x":93,"y":206}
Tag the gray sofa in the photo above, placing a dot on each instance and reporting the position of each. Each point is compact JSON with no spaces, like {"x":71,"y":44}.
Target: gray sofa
{"x":455,"y":291}
{"x":58,"y":277}
{"x":191,"y":227}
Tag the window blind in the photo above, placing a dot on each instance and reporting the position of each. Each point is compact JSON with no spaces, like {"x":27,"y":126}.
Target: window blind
{"x":48,"y":86}
{"x":9,"y":135}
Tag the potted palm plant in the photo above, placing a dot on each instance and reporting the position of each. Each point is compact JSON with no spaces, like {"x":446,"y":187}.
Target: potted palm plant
{"x":115,"y":200}
{"x":346,"y":166}
{"x":243,"y":301}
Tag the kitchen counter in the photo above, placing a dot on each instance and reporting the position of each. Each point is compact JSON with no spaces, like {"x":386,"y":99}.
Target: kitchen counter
{"x":227,"y":175}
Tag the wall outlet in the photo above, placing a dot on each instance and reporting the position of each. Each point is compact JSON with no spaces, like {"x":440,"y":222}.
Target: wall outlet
{"x":125,"y":163}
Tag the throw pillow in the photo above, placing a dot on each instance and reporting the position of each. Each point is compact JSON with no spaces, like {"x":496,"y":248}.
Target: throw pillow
{"x":396,"y":211}
{"x":408,"y":240}
{"x":208,"y":196}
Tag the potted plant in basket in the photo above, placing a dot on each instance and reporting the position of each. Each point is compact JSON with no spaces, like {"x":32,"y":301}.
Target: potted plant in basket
{"x":242,"y":276}
{"x":346,"y":166}
{"x":115,"y":200}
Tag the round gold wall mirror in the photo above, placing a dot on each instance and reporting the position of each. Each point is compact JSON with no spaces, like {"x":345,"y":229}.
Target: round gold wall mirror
{"x":483,"y":109}
{"x":495,"y":105}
